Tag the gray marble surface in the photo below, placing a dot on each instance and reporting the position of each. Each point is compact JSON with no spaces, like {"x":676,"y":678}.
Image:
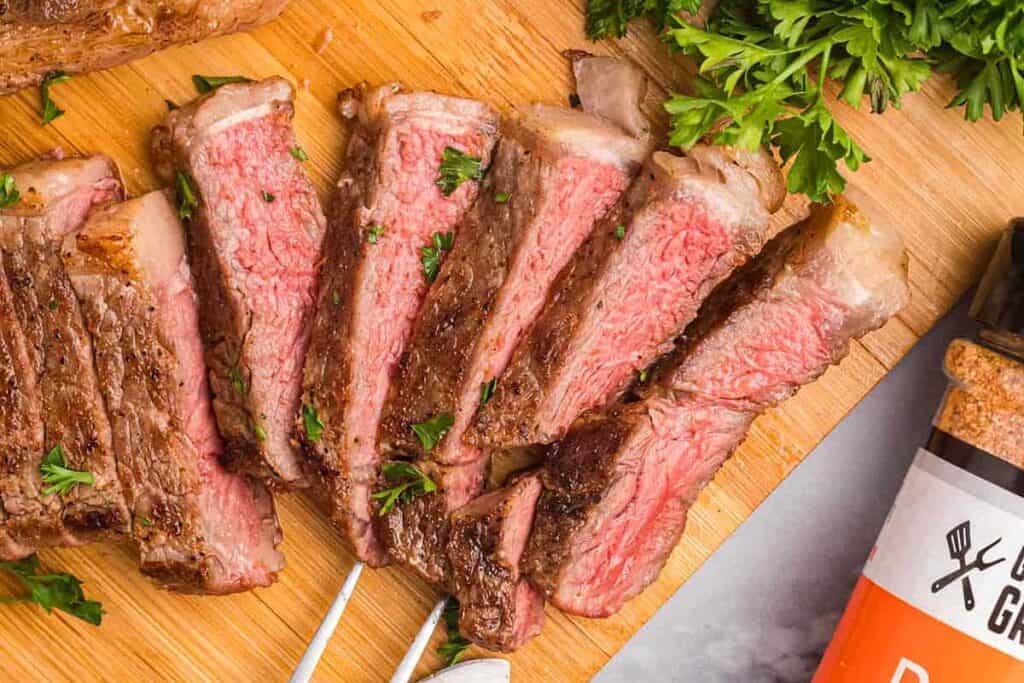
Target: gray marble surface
{"x":763,"y":608}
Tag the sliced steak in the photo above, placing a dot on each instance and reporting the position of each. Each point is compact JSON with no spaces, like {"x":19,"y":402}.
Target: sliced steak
{"x":40,"y":36}
{"x":61,"y":407}
{"x":617,"y":489}
{"x":555,"y":174}
{"x":500,"y":609}
{"x":632,"y":288}
{"x":254,"y":244}
{"x":387,"y":208}
{"x":199,"y":528}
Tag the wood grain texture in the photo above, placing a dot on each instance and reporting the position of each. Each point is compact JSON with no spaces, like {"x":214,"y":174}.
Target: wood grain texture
{"x":948,"y":187}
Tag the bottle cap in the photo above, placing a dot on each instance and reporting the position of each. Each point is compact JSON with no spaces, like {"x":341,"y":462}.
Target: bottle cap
{"x":999,"y":302}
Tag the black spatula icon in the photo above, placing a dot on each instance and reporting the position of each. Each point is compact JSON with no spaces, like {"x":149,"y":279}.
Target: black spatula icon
{"x":959,"y":541}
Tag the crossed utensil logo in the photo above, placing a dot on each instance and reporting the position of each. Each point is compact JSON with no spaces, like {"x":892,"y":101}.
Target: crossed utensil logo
{"x":959,"y":541}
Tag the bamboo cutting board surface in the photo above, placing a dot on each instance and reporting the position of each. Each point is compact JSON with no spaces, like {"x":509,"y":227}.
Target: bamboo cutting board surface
{"x":947,"y":186}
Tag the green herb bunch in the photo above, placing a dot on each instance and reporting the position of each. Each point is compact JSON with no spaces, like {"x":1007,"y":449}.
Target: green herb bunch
{"x":763,"y":65}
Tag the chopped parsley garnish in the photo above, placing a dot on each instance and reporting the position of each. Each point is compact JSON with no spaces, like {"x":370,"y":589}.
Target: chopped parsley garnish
{"x":501,"y":197}
{"x":267,"y":197}
{"x":171,"y":106}
{"x":52,"y":591}
{"x":456,"y":168}
{"x":336,"y":297}
{"x":205,"y":84}
{"x":236,"y":381}
{"x":56,"y":475}
{"x":373,"y":233}
{"x":52,"y":304}
{"x":620,"y":232}
{"x":9,"y":194}
{"x":258,"y":431}
{"x":311,"y":421}
{"x":50,"y":109}
{"x":299,"y":154}
{"x":432,"y":253}
{"x":145,"y":521}
{"x":641,"y":375}
{"x":574,"y":100}
{"x":487,"y":391}
{"x":455,"y":646}
{"x":410,"y":483}
{"x":186,"y":195}
{"x":433,"y":430}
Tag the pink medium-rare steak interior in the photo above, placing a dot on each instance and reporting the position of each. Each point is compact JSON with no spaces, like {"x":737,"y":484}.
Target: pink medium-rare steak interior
{"x":555,"y":174}
{"x":388,"y":207}
{"x":255,"y":240}
{"x":199,"y":527}
{"x":58,"y":370}
{"x":499,"y":608}
{"x":627,"y":293}
{"x":617,"y":488}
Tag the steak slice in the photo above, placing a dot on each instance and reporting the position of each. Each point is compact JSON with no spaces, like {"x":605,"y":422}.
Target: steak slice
{"x":199,"y":528}
{"x":387,"y":208}
{"x":499,"y":609}
{"x":40,"y":36}
{"x":632,"y":289}
{"x":254,"y":244}
{"x":617,"y":489}
{"x":59,"y":405}
{"x":555,"y":174}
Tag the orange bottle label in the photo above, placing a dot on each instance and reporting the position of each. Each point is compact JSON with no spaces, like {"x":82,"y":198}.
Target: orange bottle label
{"x":942,"y":595}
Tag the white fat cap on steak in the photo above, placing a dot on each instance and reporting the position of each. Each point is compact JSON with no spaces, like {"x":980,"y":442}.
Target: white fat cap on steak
{"x":42,"y":182}
{"x":613,"y":89}
{"x":585,"y":135}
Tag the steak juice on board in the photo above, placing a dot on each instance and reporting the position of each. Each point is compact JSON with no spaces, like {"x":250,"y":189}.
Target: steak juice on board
{"x":941,"y":599}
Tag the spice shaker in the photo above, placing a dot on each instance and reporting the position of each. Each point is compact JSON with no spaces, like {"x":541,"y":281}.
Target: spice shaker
{"x":941,"y":597}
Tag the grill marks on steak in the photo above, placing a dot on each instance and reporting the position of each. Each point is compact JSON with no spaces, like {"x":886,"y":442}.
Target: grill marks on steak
{"x":371,"y":292}
{"x":562,"y":170}
{"x":630,"y":290}
{"x":499,"y":608}
{"x":52,"y":385}
{"x":199,"y":528}
{"x":39,"y":36}
{"x":255,"y":245}
{"x":618,"y":487}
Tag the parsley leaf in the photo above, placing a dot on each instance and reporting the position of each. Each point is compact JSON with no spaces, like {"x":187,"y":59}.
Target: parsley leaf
{"x":267,"y":197}
{"x":299,"y":154}
{"x":501,"y":197}
{"x":411,"y":484}
{"x":56,"y":475}
{"x":237,"y":381}
{"x":487,"y":391}
{"x":433,"y":430}
{"x":311,"y":421}
{"x":620,"y":232}
{"x":53,"y":591}
{"x":9,"y":194}
{"x":455,"y":646}
{"x":50,"y":109}
{"x":373,"y":233}
{"x":432,"y":254}
{"x":608,"y":18}
{"x":171,"y":106}
{"x":205,"y":84}
{"x":456,"y":168}
{"x":259,"y":432}
{"x":186,"y":195}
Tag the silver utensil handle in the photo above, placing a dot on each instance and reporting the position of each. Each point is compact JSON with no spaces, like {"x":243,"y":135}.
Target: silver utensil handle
{"x":412,"y":657}
{"x":304,"y":671}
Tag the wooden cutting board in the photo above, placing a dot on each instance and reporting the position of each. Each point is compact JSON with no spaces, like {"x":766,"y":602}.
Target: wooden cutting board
{"x":948,"y":187}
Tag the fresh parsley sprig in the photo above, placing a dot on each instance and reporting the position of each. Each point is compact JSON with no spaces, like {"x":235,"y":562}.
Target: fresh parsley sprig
{"x":312,"y":424}
{"x":456,"y":168}
{"x":205,"y":84}
{"x":50,"y":109}
{"x":56,"y":475}
{"x":432,"y":254}
{"x":433,"y":430}
{"x":187,"y":200}
{"x":9,"y":194}
{"x":52,"y":591}
{"x":455,"y":645}
{"x":609,"y":18}
{"x":410,"y":483}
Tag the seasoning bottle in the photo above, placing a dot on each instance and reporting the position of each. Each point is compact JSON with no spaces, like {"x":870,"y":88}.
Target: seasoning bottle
{"x":941,"y":598}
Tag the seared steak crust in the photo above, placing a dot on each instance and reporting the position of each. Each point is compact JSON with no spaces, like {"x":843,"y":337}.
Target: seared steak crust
{"x":618,"y":487}
{"x":39,"y":36}
{"x":61,"y":384}
{"x":254,"y":242}
{"x":198,"y":528}
{"x":386,"y":209}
